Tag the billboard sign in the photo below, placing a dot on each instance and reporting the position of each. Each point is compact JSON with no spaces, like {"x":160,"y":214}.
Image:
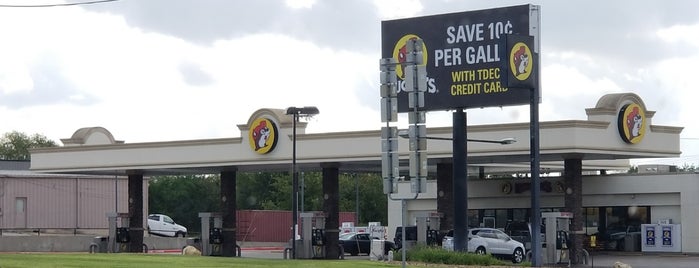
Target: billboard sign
{"x":462,"y":55}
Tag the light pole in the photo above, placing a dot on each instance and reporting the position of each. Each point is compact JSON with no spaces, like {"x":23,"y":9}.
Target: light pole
{"x":356,"y":198}
{"x":296,"y":112}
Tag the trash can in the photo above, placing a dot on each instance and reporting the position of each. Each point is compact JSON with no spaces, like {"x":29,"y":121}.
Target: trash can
{"x":99,"y":244}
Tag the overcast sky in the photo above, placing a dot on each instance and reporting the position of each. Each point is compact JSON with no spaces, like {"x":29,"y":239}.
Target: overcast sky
{"x":157,"y":70}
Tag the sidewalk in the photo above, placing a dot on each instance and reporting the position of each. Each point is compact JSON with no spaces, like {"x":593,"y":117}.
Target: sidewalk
{"x":642,"y":260}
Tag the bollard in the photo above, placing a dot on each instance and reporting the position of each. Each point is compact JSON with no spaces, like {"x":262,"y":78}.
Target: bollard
{"x":98,"y":245}
{"x":287,"y":252}
{"x":593,"y":241}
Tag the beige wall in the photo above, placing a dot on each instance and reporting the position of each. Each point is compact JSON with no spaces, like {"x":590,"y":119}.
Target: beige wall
{"x":670,"y":196}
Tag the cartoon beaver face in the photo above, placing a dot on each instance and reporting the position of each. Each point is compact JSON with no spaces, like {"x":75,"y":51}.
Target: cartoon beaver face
{"x":521,"y":60}
{"x":260,"y":135}
{"x":634,"y":121}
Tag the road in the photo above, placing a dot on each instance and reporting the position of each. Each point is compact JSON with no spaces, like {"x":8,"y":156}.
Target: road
{"x":644,"y":260}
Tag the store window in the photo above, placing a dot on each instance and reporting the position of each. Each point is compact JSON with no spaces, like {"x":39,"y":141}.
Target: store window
{"x":520,"y":215}
{"x":615,"y":219}
{"x":592,"y":220}
{"x":473,"y":218}
{"x":488,"y":219}
{"x":631,"y":216}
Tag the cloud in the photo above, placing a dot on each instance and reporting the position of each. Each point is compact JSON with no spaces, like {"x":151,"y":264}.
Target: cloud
{"x":680,"y":34}
{"x":178,"y":69}
{"x":46,"y":85}
{"x":340,"y":24}
{"x":193,"y":74}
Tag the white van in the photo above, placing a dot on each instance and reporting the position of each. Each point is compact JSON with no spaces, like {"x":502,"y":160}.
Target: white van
{"x":163,"y":225}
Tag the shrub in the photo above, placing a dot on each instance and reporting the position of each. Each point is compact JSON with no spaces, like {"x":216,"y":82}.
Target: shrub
{"x":437,"y":255}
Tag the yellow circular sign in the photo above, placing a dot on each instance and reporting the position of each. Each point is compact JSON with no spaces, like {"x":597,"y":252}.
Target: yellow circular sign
{"x":521,"y":61}
{"x":632,"y":123}
{"x":400,"y":53}
{"x":262,"y":135}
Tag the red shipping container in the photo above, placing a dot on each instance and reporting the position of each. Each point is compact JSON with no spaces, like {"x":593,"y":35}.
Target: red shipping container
{"x":271,"y":225}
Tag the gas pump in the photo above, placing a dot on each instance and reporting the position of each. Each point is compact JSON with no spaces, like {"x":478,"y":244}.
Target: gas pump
{"x":557,"y":243}
{"x":428,"y":228}
{"x":312,"y":236}
{"x":119,"y":238}
{"x":211,"y":235}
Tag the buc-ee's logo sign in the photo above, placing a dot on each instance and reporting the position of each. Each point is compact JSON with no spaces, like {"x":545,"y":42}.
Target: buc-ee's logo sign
{"x":521,"y":61}
{"x":632,"y":123}
{"x":262,"y":135}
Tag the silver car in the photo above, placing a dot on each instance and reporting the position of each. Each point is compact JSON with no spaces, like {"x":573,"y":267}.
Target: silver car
{"x":489,"y":241}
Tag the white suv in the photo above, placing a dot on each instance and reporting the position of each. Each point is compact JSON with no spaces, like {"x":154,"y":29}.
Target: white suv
{"x":489,"y":241}
{"x":163,"y":225}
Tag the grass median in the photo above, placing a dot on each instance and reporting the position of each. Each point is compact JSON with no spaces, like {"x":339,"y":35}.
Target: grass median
{"x":417,"y":257}
{"x":39,"y":260}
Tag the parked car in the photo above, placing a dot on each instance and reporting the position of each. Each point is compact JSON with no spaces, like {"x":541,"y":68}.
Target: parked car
{"x":163,"y":225}
{"x":614,"y":236}
{"x":489,"y":241}
{"x":356,"y":243}
{"x":521,"y":231}
{"x":410,"y":235}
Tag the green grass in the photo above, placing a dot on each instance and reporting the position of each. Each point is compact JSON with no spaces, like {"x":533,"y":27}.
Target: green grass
{"x":417,"y":255}
{"x":38,"y":260}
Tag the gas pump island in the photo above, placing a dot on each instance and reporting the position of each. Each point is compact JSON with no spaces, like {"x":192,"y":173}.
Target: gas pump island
{"x":312,"y":243}
{"x":211,"y":243}
{"x":556,"y":247}
{"x":119,"y":237}
{"x":428,"y":228}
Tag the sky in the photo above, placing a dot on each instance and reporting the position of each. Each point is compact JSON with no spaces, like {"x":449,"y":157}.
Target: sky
{"x":162,"y":70}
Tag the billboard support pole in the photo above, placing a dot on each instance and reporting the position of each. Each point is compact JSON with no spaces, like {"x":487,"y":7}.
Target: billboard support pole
{"x":534,"y":98}
{"x":535,"y":192}
{"x":460,"y":185}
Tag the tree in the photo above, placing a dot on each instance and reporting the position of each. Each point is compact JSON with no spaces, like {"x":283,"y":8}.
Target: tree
{"x":686,"y":167}
{"x":632,"y":169}
{"x":263,"y":190}
{"x":15,"y":145}
{"x":183,"y":197}
{"x":373,"y":205}
{"x":272,"y":191}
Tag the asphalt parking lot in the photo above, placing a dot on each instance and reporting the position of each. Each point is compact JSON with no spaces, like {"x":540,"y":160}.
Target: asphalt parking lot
{"x":643,"y":260}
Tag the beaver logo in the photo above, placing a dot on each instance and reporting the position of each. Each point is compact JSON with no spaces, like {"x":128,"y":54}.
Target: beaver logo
{"x":260,"y":135}
{"x":263,"y":135}
{"x":520,"y":61}
{"x":632,"y":123}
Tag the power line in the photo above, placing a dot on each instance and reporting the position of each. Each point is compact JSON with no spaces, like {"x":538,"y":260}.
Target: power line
{"x":64,"y":4}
